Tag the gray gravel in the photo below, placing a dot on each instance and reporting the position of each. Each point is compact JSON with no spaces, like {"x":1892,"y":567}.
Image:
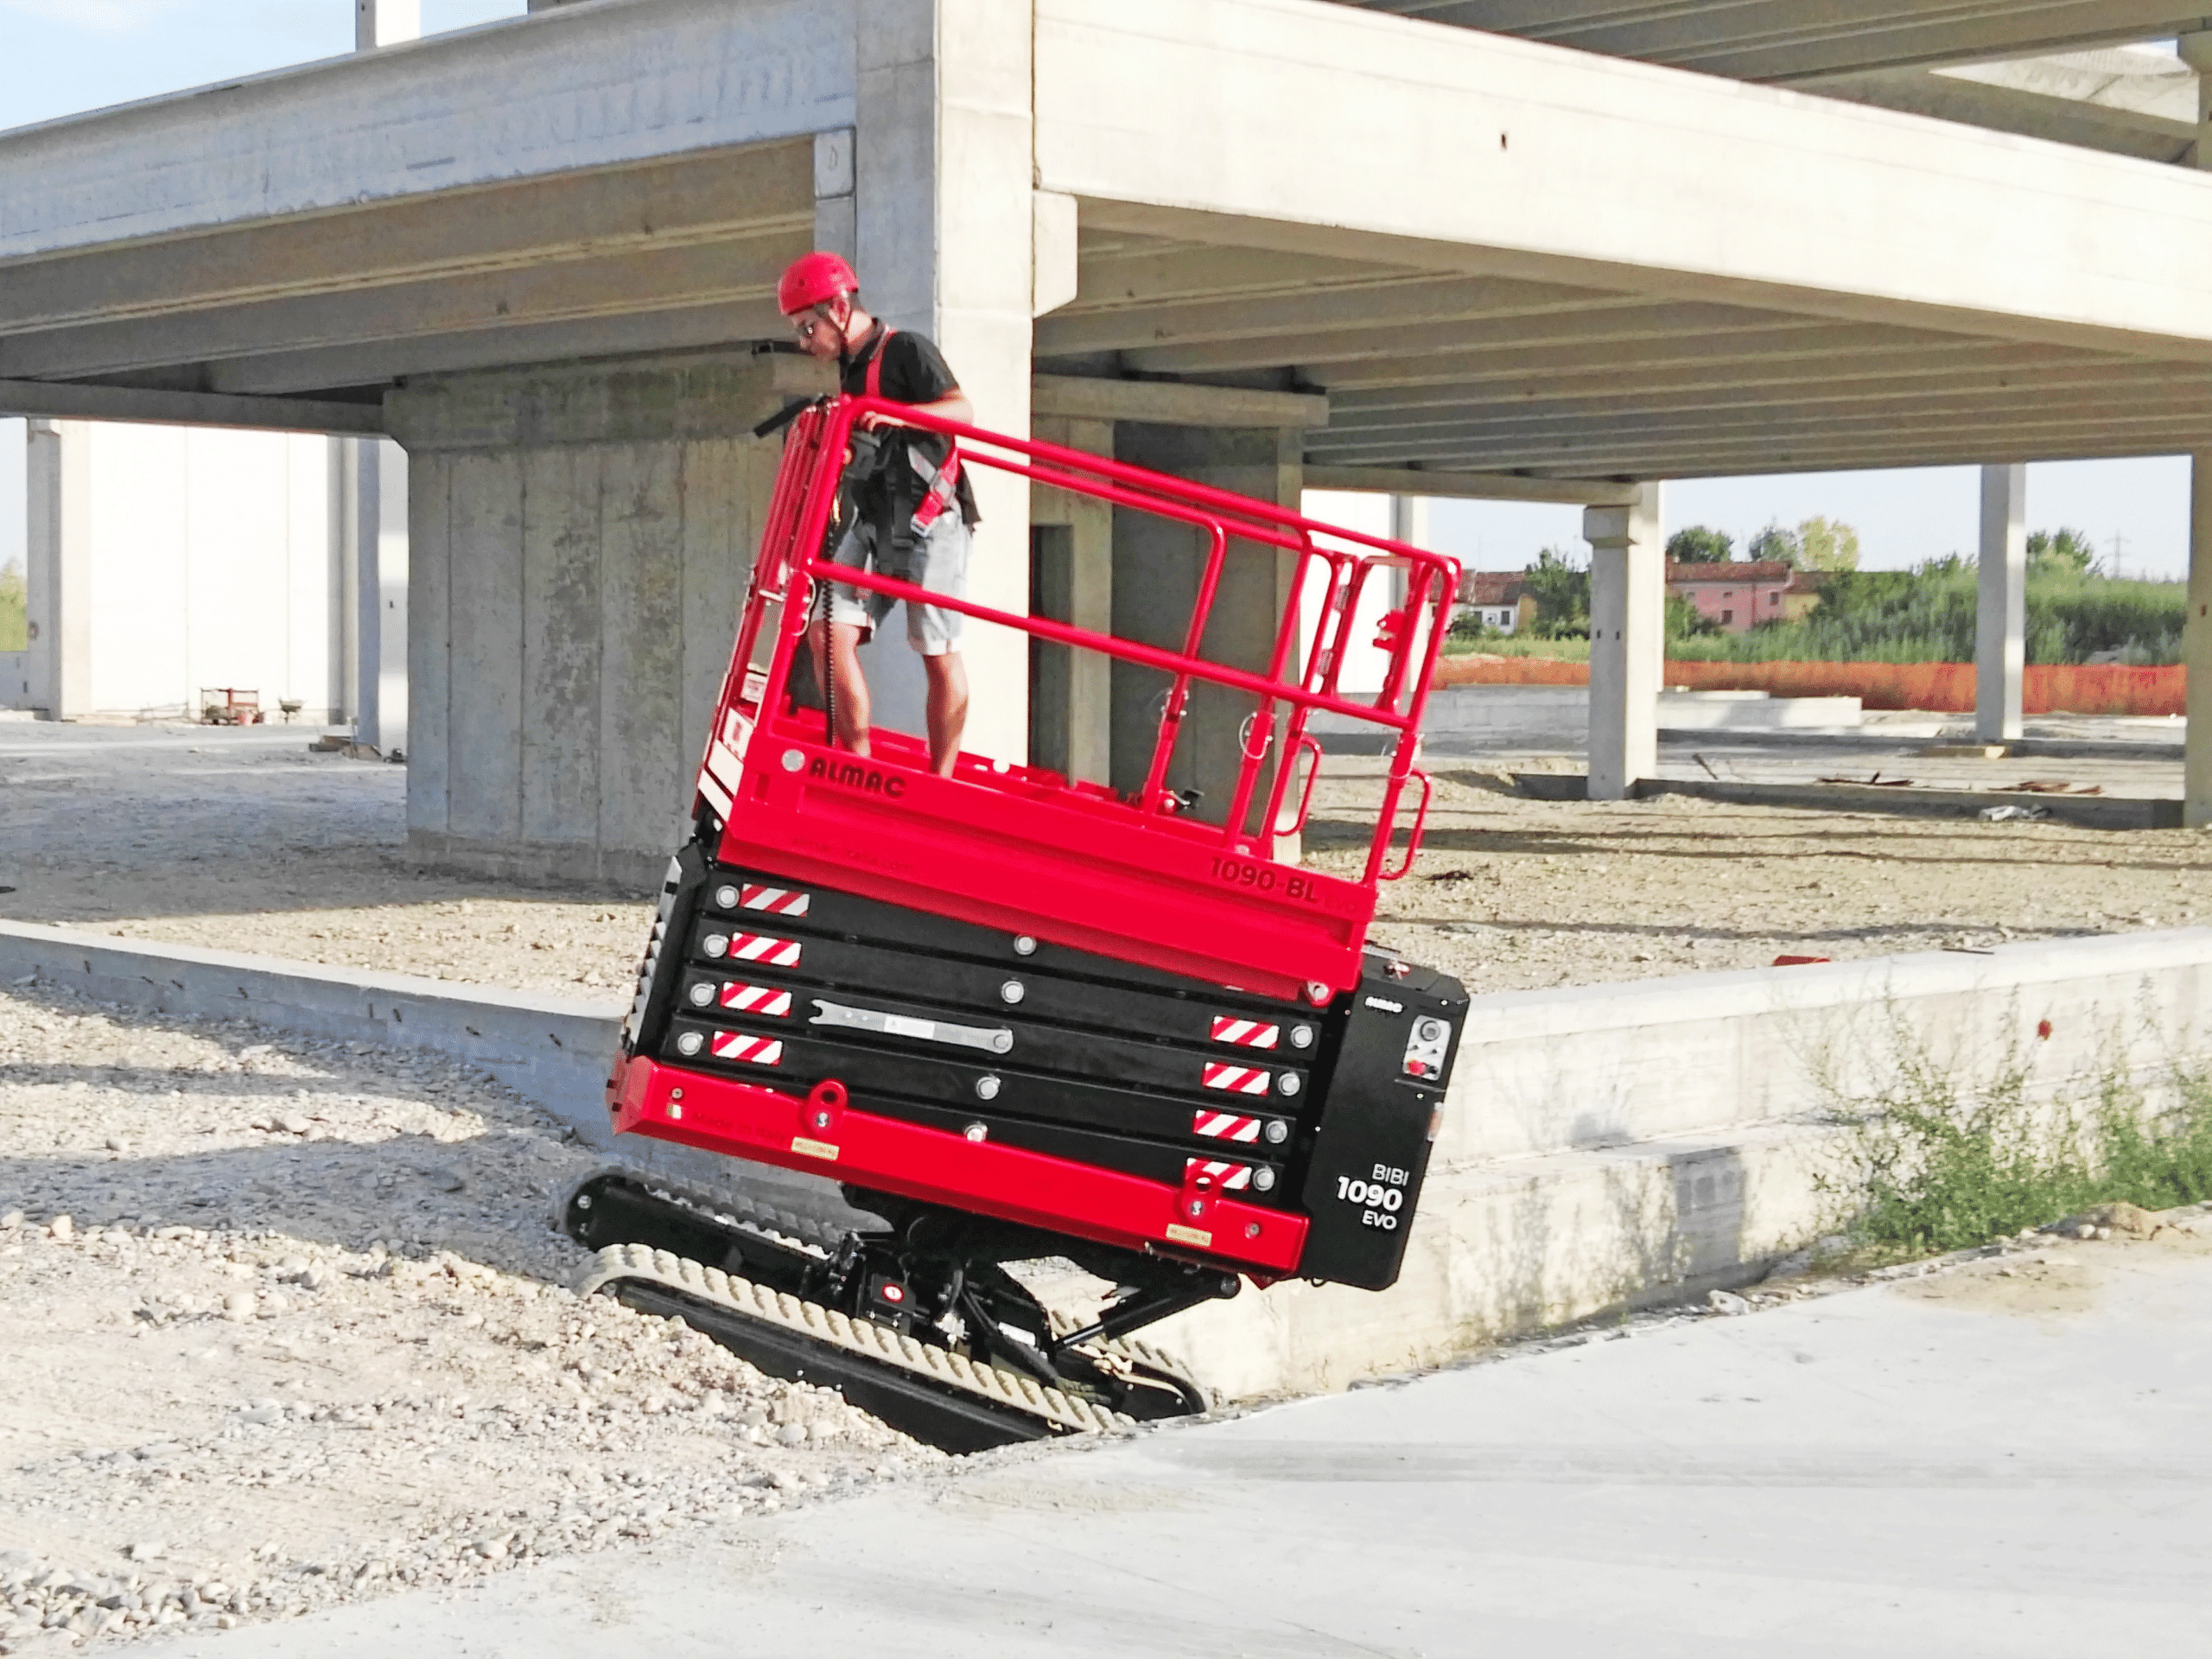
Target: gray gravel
{"x":284,"y":1323}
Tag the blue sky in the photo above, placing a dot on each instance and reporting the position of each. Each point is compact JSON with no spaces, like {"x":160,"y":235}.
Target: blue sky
{"x":59,"y":57}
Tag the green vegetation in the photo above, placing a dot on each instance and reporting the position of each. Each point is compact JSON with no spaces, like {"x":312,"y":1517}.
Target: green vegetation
{"x":1700,"y":544}
{"x":1935,"y":1167}
{"x":13,"y":633}
{"x":2074,"y":614}
{"x":1928,"y":615}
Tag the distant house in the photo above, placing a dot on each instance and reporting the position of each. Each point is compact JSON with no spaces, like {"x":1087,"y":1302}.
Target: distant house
{"x":1741,"y":594}
{"x":1496,"y":599}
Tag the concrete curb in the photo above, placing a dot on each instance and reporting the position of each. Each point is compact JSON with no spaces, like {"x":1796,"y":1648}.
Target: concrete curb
{"x":555,"y":1050}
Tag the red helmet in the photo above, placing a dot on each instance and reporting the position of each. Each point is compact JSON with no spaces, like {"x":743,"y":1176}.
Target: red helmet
{"x":814,"y":279}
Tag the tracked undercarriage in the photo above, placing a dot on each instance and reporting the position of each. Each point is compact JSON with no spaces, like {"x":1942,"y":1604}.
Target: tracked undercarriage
{"x":918,"y":1326}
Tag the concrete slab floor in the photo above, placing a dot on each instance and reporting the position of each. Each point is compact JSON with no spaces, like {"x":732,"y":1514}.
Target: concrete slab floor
{"x":241,"y":841}
{"x":2005,"y":1459}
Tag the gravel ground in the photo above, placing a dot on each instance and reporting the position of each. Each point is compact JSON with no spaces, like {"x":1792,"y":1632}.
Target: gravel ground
{"x":1512,"y":894}
{"x":241,"y":841}
{"x":284,"y":1323}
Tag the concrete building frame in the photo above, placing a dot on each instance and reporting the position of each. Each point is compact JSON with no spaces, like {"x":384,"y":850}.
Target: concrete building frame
{"x":1540,"y":252}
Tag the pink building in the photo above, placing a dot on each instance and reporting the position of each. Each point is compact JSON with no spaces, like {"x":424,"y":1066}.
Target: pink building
{"x":1741,"y":594}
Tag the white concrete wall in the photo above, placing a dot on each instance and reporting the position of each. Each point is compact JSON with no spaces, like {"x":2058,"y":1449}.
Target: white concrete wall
{"x":1604,"y":1145}
{"x":203,"y":557}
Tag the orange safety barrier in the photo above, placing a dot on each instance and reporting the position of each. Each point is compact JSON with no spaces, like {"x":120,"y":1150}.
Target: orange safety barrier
{"x":1941,"y":688}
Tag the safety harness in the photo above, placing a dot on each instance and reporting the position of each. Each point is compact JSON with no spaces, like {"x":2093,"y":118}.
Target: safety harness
{"x":941,"y":483}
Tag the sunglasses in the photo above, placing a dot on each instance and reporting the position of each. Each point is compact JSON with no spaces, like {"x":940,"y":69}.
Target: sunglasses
{"x":805,"y":327}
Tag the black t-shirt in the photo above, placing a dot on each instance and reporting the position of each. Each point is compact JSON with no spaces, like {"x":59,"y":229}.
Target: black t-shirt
{"x":914,"y":371}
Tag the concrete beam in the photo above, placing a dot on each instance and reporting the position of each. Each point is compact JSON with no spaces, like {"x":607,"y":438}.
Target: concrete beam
{"x":1474,"y":486}
{"x":1806,"y":452}
{"x":1169,"y":404}
{"x":2113,"y":382}
{"x":41,"y":398}
{"x":2076,"y":413}
{"x":2011,"y":109}
{"x":1597,"y":317}
{"x":1776,"y":40}
{"x":1402,"y":300}
{"x":1863,"y":214}
{"x":577,"y":89}
{"x":2001,"y":629}
{"x":1628,"y":634}
{"x":1117,"y":269}
{"x":741,"y":269}
{"x":1783,"y":343}
{"x":1889,"y":366}
{"x":682,"y":328}
{"x":520,"y":224}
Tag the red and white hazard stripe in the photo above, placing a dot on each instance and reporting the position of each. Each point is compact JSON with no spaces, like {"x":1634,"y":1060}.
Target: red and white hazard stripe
{"x":761,"y":948}
{"x":777,"y":901}
{"x":1245,"y":1033}
{"x":1237,"y":1079}
{"x":756,"y":999}
{"x":754,"y":1051}
{"x":1227,"y":1178}
{"x":1224,"y":1126}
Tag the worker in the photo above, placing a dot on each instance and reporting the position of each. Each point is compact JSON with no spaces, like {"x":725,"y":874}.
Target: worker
{"x":915,"y":511}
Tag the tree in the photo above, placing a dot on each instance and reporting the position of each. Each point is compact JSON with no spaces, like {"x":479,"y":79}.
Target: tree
{"x":2061,"y":552}
{"x":1561,"y":590}
{"x":1822,"y":545}
{"x":1774,"y":543}
{"x":1686,"y":621}
{"x":1700,"y":544}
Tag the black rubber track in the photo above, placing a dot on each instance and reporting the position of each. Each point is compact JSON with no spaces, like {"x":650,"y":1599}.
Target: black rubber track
{"x":945,"y":1418}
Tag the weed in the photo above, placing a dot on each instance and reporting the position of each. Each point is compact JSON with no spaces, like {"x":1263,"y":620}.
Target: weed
{"x":1935,"y":1166}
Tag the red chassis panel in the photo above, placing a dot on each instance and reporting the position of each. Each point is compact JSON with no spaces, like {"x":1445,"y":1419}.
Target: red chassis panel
{"x":821,"y":1136}
{"x":1040,"y":859}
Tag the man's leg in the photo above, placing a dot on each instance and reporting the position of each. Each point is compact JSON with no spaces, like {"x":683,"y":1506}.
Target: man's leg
{"x":935,"y":633}
{"x":947,"y":708}
{"x":843,"y":675}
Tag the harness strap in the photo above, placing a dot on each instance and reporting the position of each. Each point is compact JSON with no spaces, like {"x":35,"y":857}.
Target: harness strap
{"x":940,"y":484}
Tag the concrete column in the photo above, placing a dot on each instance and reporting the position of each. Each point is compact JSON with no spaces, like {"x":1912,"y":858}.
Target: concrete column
{"x":1071,"y":580}
{"x":1157,"y":569}
{"x":835,"y":228}
{"x":2197,"y":648}
{"x":2000,"y":631}
{"x":579,"y":540}
{"x":1628,"y":642}
{"x":378,"y":540}
{"x":386,"y":22}
{"x":59,"y":573}
{"x":944,"y":234}
{"x":1409,"y":521}
{"x":2196,"y":50}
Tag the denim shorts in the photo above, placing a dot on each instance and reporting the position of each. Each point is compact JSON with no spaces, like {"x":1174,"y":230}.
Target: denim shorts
{"x":930,"y":630}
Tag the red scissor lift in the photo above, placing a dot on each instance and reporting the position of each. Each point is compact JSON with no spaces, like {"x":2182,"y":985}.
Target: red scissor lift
{"x":1021,"y":1016}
